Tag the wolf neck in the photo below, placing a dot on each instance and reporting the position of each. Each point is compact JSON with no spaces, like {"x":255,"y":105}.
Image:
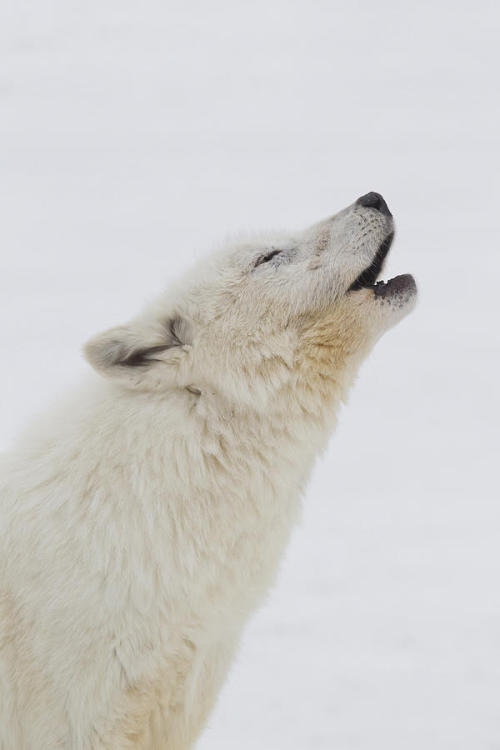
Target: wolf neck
{"x":284,"y":431}
{"x":195,"y":436}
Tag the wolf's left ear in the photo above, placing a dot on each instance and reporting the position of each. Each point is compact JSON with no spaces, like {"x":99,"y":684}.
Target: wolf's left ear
{"x":139,"y":354}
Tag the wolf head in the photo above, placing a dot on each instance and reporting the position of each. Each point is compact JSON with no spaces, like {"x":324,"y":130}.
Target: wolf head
{"x":267,"y":312}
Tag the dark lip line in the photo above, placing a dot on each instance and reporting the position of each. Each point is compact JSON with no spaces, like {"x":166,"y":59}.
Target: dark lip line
{"x":368,"y":277}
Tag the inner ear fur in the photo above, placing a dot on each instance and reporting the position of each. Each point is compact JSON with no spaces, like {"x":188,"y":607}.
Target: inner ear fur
{"x":136,"y":346}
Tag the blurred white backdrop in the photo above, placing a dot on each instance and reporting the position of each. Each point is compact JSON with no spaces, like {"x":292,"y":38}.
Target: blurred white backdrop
{"x":134,"y":136}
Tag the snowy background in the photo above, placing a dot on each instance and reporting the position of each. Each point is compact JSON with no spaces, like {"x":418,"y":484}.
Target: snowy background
{"x":133,"y":136}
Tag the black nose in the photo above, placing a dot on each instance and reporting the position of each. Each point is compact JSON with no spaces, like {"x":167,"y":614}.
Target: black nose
{"x":374,"y":200}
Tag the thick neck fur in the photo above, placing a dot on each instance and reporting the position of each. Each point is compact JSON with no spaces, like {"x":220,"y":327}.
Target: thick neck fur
{"x":178,"y":465}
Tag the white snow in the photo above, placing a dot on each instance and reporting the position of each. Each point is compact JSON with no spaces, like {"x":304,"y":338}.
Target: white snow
{"x":132,"y":137}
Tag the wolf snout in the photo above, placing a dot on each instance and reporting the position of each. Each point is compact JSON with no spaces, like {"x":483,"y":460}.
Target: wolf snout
{"x":376,"y":201}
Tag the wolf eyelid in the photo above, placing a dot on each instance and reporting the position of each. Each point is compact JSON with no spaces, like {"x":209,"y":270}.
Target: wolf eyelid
{"x":265,"y":258}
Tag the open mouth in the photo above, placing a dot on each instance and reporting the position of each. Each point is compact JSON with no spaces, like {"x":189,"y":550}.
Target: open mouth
{"x":367,"y":279}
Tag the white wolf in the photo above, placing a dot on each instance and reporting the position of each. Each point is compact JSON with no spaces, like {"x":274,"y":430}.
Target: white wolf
{"x":143,"y":523}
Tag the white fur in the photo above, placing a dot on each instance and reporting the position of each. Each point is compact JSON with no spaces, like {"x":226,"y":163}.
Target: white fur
{"x":142,"y":524}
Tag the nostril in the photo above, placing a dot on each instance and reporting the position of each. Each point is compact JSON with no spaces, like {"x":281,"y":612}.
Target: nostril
{"x":371,"y":200}
{"x":374,"y":200}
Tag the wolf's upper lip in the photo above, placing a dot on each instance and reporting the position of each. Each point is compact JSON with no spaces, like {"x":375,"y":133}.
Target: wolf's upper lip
{"x":368,"y":277}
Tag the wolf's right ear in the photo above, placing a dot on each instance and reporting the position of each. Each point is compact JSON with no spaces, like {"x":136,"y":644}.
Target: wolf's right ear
{"x":138,"y":354}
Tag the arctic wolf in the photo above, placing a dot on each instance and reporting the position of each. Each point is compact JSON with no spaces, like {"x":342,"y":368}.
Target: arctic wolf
{"x":142,"y":524}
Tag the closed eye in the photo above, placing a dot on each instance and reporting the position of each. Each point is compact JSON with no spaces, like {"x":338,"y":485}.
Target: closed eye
{"x":267,"y":257}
